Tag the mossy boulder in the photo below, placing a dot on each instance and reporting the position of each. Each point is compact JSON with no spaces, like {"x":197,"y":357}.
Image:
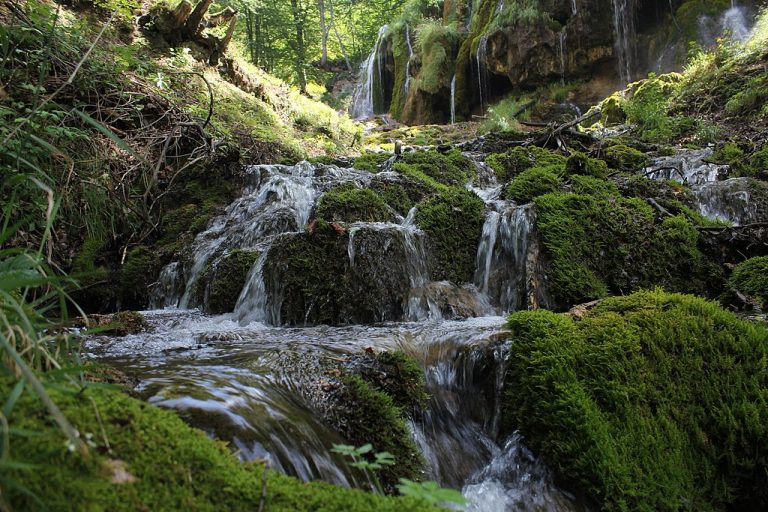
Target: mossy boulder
{"x":580,"y":164}
{"x":400,"y":192}
{"x":645,"y":389}
{"x":751,"y":278}
{"x":588,"y":185}
{"x":119,"y":324}
{"x":453,"y":222}
{"x":436,"y":169}
{"x":625,"y":158}
{"x":350,"y":203}
{"x":137,"y":274}
{"x":398,"y":375}
{"x":221,"y":281}
{"x":146,"y":458}
{"x":532,"y":183}
{"x":518,"y":159}
{"x":596,"y":245}
{"x":371,"y":162}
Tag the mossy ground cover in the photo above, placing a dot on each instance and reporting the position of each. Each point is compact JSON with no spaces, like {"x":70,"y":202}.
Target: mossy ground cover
{"x":652,"y":401}
{"x":349,"y":203}
{"x":145,"y":458}
{"x":751,"y":278}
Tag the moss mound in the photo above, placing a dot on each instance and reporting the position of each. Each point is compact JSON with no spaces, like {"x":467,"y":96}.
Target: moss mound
{"x":653,"y":401}
{"x":601,"y":244}
{"x":625,"y":158}
{"x":518,"y":159}
{"x":348,"y":203}
{"x":453,"y":222}
{"x":580,"y":164}
{"x":751,"y":278}
{"x":451,"y":169}
{"x":532,"y":183}
{"x":153,"y":461}
{"x":371,"y":162}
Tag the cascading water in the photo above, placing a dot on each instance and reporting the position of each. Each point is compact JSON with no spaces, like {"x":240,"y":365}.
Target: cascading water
{"x":726,"y":200}
{"x":574,"y":9}
{"x":453,"y":99}
{"x":370,"y":82}
{"x":624,"y":37}
{"x":482,"y":71}
{"x":499,"y":8}
{"x":734,"y":23}
{"x":407,"y":84}
{"x":561,"y":51}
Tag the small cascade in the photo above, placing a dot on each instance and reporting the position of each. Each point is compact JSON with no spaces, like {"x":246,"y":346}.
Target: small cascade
{"x":505,"y":261}
{"x":726,"y":200}
{"x":561,"y":50}
{"x":369,"y":91}
{"x":624,"y":42}
{"x":407,"y":84}
{"x":482,"y":71}
{"x":574,"y":9}
{"x":734,"y":23}
{"x":278,"y":199}
{"x":453,"y":99}
{"x":499,"y":8}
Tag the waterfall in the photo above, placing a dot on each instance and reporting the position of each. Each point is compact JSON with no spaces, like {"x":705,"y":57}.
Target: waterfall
{"x":734,"y":22}
{"x":561,"y":49}
{"x":407,"y":85}
{"x":168,"y":289}
{"x":726,"y":200}
{"x":574,"y":10}
{"x":499,"y":7}
{"x":485,"y":250}
{"x":370,"y":82}
{"x":453,"y":99}
{"x":482,"y":71}
{"x":624,"y":41}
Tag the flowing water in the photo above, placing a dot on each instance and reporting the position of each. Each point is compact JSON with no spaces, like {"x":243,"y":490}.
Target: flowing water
{"x":624,"y":40}
{"x":453,"y":99}
{"x":561,"y":52}
{"x":716,"y":196}
{"x":482,"y":71}
{"x":264,"y":390}
{"x":407,"y":84}
{"x":369,"y":91}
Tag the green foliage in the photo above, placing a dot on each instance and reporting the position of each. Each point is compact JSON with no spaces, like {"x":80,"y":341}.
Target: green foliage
{"x":431,"y":493}
{"x":751,"y":278}
{"x":600,"y":244}
{"x":503,"y":116}
{"x":740,"y":163}
{"x":645,"y":389}
{"x":348,"y":203}
{"x":398,"y":375}
{"x":532,"y":183}
{"x":143,"y":459}
{"x":371,"y":162}
{"x":453,"y":222}
{"x":649,"y":107}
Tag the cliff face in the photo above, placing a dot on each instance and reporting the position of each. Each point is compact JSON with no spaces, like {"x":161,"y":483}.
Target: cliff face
{"x":439,"y":71}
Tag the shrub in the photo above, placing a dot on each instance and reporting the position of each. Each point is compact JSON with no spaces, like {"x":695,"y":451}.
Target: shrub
{"x":652,"y":401}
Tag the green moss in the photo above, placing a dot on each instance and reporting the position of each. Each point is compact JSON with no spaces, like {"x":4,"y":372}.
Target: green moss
{"x":436,"y":169}
{"x":137,"y":274}
{"x":751,"y":278}
{"x":759,"y":160}
{"x":371,"y":162}
{"x":649,"y":108}
{"x":119,"y":324}
{"x":435,"y":44}
{"x":453,"y":222}
{"x":732,"y":155}
{"x":601,"y":244}
{"x":625,"y":158}
{"x":398,"y":375}
{"x":588,"y":185}
{"x":220,"y":282}
{"x":374,"y":418}
{"x":348,"y":203}
{"x":612,"y":110}
{"x":581,"y":164}
{"x":518,"y":159}
{"x":649,"y":402}
{"x":172,"y":466}
{"x":532,"y":183}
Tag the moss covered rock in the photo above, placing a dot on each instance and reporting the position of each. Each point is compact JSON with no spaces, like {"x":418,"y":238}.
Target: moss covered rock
{"x":648,"y":389}
{"x":453,"y":222}
{"x":625,"y":158}
{"x":371,"y":162}
{"x":597,"y":245}
{"x":580,"y":164}
{"x":146,"y":458}
{"x":221,"y":281}
{"x":751,"y":278}
{"x":532,"y":183}
{"x":518,"y":159}
{"x":137,"y":274}
{"x":436,"y":169}
{"x":349,"y":203}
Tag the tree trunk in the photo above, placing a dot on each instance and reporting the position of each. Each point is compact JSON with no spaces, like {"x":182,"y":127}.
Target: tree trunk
{"x":301,"y":58}
{"x":196,"y":18}
{"x":323,"y":32}
{"x":336,"y":30}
